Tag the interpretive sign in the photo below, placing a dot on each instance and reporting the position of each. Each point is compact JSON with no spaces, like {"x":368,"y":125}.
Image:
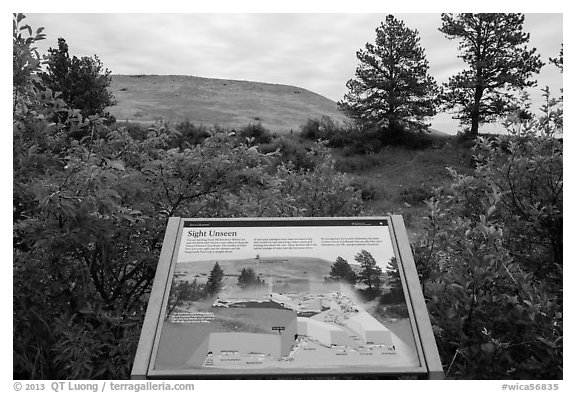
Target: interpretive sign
{"x":295,"y":296}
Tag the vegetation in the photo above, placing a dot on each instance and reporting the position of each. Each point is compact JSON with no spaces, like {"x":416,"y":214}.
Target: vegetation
{"x":394,"y":282}
{"x":82,"y":82}
{"x":392,"y":90}
{"x":491,"y":261}
{"x":324,"y":128}
{"x":342,"y":271}
{"x":248,"y":279}
{"x":255,"y":134}
{"x":371,"y":274}
{"x":184,"y":291}
{"x":356,"y":139}
{"x":214,"y":284}
{"x":492,"y":47}
{"x":385,"y":289}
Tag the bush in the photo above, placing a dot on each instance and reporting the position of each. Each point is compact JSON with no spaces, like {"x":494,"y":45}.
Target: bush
{"x":408,"y":139}
{"x":136,"y":130}
{"x":315,"y":129}
{"x":191,"y":135}
{"x":325,"y":129}
{"x":255,"y":134}
{"x":311,"y":130}
{"x":415,"y":195}
{"x":491,"y":262}
{"x":361,"y":141}
{"x":367,"y":190}
{"x":294,"y":154}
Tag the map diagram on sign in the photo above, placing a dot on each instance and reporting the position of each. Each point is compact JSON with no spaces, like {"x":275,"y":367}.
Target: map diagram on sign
{"x":311,"y":301}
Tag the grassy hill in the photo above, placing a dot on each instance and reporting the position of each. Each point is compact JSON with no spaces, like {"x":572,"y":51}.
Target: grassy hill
{"x":285,"y":268}
{"x":228,"y":103}
{"x":395,"y":180}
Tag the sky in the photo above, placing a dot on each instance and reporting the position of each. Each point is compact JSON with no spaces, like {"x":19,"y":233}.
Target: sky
{"x":315,"y":51}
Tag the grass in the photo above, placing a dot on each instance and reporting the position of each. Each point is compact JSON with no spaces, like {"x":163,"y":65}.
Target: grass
{"x":398,"y":179}
{"x":228,"y":103}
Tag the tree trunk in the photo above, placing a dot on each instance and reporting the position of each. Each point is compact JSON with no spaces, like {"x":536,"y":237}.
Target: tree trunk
{"x":474,"y":126}
{"x":475,"y":114}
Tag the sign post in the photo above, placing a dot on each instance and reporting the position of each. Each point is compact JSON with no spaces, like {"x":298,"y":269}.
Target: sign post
{"x":286,"y":296}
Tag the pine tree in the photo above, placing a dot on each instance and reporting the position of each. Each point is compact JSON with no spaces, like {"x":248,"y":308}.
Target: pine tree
{"x":499,"y":62}
{"x":82,"y":82}
{"x":180,"y":292}
{"x":394,"y":281}
{"x":392,"y":90}
{"x":342,"y":271}
{"x":371,"y":274}
{"x":214,"y":283}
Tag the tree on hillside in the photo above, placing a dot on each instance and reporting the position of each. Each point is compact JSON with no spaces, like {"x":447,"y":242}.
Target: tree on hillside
{"x":393,"y":275}
{"x":371,"y":274}
{"x":342,"y":271}
{"x":499,"y":62}
{"x":392,"y":89}
{"x":214,"y":283}
{"x":248,"y":278}
{"x":394,"y":282}
{"x":82,"y":82}
{"x":183,"y":291}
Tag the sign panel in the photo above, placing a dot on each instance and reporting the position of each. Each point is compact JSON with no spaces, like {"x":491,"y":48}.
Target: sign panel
{"x":282,"y":296}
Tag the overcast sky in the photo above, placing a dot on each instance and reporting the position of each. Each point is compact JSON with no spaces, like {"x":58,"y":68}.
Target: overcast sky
{"x":313,"y":51}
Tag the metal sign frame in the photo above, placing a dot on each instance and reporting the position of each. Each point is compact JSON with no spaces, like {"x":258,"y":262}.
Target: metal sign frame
{"x":429,"y":361}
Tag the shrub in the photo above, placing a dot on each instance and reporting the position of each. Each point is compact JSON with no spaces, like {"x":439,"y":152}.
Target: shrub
{"x":191,"y":135}
{"x":311,"y":130}
{"x":136,"y":130}
{"x":315,"y":129}
{"x":321,"y":191}
{"x":360,"y":139}
{"x":295,"y":154}
{"x":356,"y":141}
{"x":491,"y":262}
{"x":415,"y":195}
{"x":255,"y":134}
{"x":408,"y":139}
{"x":367,"y":190}
{"x":325,"y":129}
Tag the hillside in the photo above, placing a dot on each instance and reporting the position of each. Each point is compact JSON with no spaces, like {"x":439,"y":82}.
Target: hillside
{"x":284,"y":268}
{"x":228,"y":103}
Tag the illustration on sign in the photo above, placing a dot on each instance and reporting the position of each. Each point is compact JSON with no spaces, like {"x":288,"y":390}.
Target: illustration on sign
{"x":266,"y":297}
